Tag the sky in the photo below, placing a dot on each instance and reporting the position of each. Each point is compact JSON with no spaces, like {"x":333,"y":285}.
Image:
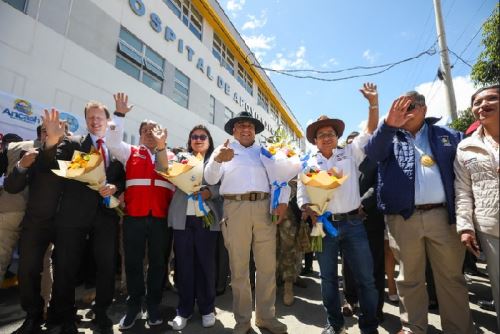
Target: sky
{"x":338,"y":34}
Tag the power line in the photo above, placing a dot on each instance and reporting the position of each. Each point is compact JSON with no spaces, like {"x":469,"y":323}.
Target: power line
{"x":289,"y":72}
{"x":459,"y":58}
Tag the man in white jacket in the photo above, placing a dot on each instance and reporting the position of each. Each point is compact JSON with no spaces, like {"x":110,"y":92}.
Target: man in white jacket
{"x":476,"y":184}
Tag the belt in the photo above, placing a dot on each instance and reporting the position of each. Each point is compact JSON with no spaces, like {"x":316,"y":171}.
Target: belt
{"x":427,"y":207}
{"x":254,"y":196}
{"x":354,"y":214}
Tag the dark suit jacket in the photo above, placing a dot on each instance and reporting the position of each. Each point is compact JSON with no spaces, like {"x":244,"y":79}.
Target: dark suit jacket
{"x":79,"y":203}
{"x":45,"y":190}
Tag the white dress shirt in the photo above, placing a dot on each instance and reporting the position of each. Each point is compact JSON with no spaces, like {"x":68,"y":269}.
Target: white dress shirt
{"x":346,"y":160}
{"x":120,"y":149}
{"x":243,"y":174}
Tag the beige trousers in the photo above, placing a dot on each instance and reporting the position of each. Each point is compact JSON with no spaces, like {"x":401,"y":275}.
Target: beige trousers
{"x":9,"y":235}
{"x":247,"y":225}
{"x":427,"y":233}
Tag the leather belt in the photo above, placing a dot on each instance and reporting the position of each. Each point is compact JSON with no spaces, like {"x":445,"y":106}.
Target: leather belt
{"x":427,"y":207}
{"x":252,"y":197}
{"x":354,"y":214}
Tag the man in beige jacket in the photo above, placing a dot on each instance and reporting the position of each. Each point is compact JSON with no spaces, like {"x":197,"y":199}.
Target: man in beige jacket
{"x":476,"y":184}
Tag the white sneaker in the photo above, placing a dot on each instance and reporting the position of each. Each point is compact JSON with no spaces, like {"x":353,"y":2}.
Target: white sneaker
{"x":208,"y":320}
{"x":178,"y":323}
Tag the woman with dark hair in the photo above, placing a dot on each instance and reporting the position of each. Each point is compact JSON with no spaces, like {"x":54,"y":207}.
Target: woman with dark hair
{"x":195,"y":244}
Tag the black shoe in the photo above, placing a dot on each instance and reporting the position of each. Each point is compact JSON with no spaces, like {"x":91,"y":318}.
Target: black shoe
{"x":154,"y":316}
{"x":488,"y":305}
{"x":29,"y":326}
{"x":220,"y":292}
{"x":330,"y":330}
{"x":68,"y":328}
{"x":380,"y":317}
{"x":103,"y":323}
{"x":128,"y":321}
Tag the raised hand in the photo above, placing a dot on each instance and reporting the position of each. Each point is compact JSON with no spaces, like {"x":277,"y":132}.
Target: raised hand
{"x":160,"y":135}
{"x":370,"y":93}
{"x":54,"y":126}
{"x":225,"y":153}
{"x":28,"y":159}
{"x":398,"y":116}
{"x":121,"y":103}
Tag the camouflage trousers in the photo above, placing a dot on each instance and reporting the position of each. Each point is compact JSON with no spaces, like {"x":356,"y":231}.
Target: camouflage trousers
{"x":288,"y":251}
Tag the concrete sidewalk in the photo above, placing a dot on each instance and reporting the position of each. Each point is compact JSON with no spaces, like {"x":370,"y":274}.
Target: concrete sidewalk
{"x":306,"y":315}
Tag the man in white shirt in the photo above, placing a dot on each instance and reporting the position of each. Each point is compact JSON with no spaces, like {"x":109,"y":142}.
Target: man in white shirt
{"x":344,"y":205}
{"x":247,"y":223}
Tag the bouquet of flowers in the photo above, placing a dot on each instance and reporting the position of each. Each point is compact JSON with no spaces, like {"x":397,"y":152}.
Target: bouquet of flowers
{"x":319,"y":186}
{"x":88,"y":168}
{"x":187,"y":175}
{"x":282,"y":162}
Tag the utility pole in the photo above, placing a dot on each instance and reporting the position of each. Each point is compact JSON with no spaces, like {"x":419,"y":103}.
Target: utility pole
{"x":445,"y":62}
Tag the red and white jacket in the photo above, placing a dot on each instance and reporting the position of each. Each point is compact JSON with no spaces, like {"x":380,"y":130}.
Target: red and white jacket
{"x":146,"y":192}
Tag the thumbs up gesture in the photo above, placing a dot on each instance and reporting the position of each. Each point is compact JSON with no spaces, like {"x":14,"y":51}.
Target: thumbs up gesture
{"x":224,"y":153}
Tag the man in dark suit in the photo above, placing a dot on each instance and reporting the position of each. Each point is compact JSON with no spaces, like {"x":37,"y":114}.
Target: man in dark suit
{"x":37,"y":228}
{"x":83,"y":213}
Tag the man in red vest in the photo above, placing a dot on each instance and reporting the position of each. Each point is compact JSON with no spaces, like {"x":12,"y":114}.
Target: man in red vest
{"x":147,"y":198}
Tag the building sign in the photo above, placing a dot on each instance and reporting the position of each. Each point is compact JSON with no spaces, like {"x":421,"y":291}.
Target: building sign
{"x":156,"y":24}
{"x":22,"y":116}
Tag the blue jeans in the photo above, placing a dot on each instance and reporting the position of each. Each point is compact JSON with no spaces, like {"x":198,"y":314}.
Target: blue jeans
{"x":353,"y":242}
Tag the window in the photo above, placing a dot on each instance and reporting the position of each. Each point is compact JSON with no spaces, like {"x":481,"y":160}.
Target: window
{"x":188,"y":14}
{"x":263,"y":101}
{"x":211,"y":112}
{"x":274,"y":112}
{"x":245,"y":79}
{"x":222,"y":53}
{"x":228,"y":114}
{"x":181,"y":89}
{"x":139,"y":61}
{"x":18,"y":4}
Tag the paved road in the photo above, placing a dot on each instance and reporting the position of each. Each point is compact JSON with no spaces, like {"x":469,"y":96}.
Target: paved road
{"x":306,"y":315}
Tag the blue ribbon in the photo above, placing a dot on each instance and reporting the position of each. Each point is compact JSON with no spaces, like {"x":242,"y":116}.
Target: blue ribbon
{"x":266,"y":153}
{"x":107,"y":201}
{"x":200,"y":203}
{"x":304,"y":160}
{"x":327,"y":224}
{"x":277,"y":193}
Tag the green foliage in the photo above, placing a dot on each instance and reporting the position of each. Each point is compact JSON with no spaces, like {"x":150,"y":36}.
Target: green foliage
{"x":486,"y":71}
{"x":464,"y":120}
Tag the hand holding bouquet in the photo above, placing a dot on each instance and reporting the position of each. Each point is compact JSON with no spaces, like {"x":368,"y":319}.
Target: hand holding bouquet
{"x":320,"y":185}
{"x":282,"y":162}
{"x":88,"y":168}
{"x":187,"y":175}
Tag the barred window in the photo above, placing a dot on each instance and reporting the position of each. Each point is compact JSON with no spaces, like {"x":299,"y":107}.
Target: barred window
{"x":188,"y":14}
{"x":245,"y":79}
{"x":181,"y":89}
{"x":228,"y":114}
{"x":211,"y":111}
{"x":223,"y":55}
{"x":263,"y":101}
{"x":139,"y":61}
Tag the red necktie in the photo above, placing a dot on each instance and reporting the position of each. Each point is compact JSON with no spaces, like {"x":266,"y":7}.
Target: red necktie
{"x":100,"y":148}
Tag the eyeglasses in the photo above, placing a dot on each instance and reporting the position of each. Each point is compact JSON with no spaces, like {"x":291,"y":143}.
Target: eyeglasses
{"x":413,"y":106}
{"x":199,"y":137}
{"x":325,"y":135}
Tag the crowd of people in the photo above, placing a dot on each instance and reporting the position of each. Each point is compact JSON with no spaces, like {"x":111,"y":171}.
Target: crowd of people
{"x":417,"y":194}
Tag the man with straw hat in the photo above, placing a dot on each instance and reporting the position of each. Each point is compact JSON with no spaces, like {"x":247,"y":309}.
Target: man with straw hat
{"x":247,"y":223}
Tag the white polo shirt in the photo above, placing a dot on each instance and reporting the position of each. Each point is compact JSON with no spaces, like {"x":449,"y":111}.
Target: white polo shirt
{"x":346,"y":160}
{"x":243,"y":174}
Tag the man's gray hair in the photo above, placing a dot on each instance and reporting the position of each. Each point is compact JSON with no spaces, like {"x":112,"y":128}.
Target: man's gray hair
{"x":417,"y":97}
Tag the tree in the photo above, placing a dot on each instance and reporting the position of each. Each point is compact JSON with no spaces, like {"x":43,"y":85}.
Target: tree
{"x":464,"y":120}
{"x":486,"y":70}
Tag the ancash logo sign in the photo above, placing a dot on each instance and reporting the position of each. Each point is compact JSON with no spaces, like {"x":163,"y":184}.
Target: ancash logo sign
{"x":21,"y":111}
